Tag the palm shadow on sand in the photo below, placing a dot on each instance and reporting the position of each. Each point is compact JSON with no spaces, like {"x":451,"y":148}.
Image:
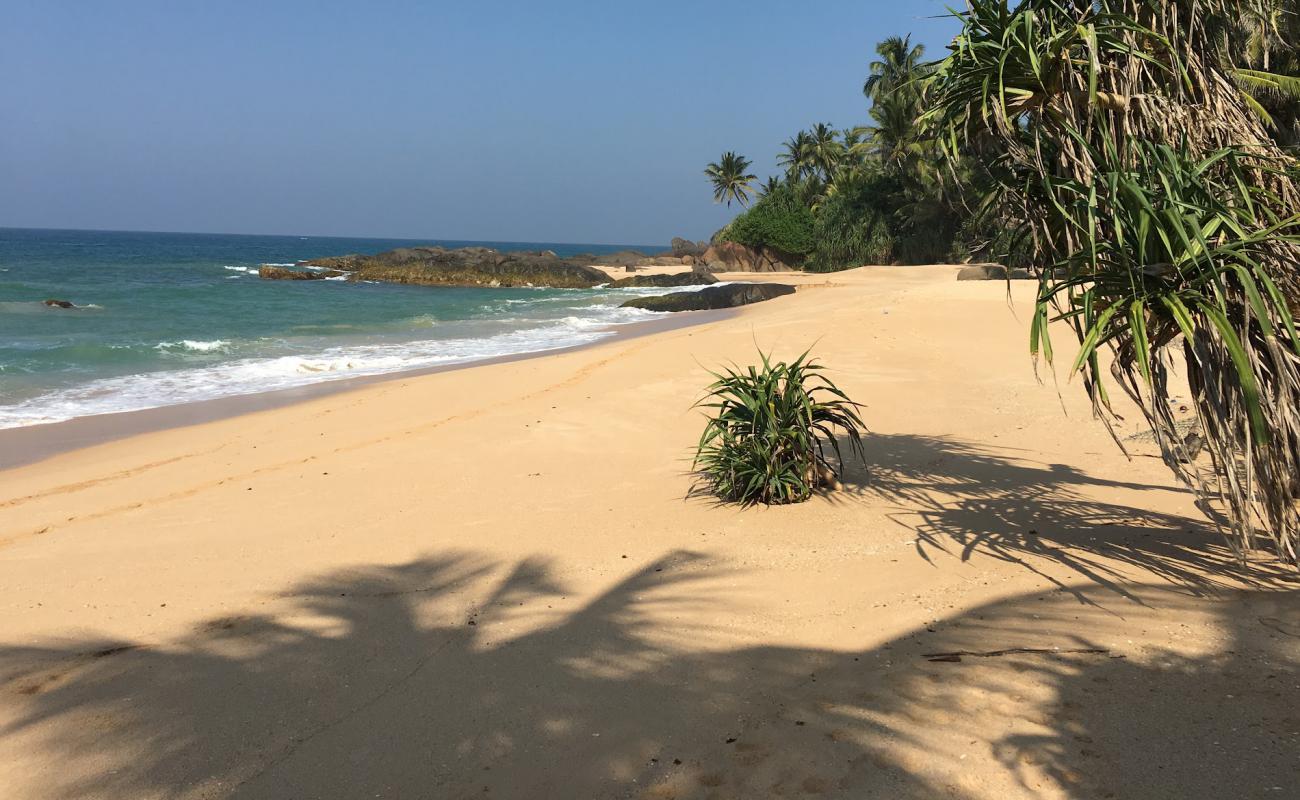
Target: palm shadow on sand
{"x":451,"y":677}
{"x":963,"y":498}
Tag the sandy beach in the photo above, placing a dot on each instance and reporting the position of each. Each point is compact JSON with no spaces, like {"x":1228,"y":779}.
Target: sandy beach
{"x":490,"y":582}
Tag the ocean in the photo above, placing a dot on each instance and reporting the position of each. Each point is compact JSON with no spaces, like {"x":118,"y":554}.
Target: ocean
{"x":168,"y":318}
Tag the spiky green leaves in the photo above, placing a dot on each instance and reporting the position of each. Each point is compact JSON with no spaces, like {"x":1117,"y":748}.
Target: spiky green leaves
{"x":770,"y":430}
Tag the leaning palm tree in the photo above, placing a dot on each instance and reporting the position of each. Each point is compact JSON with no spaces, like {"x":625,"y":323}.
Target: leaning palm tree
{"x":731,"y":178}
{"x":1163,"y":220}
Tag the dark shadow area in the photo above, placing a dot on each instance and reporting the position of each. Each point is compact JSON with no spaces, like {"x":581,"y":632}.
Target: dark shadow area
{"x":456,"y":677}
{"x":962,"y":499}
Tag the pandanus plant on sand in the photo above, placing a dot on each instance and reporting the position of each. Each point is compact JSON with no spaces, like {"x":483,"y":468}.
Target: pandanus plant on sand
{"x":771,"y":430}
{"x":1163,"y":221}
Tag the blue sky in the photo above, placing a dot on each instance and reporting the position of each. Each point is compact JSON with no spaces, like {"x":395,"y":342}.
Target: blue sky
{"x":485,"y":119}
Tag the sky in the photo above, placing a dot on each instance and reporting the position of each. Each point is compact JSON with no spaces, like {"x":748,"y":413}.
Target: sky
{"x":498,"y":120}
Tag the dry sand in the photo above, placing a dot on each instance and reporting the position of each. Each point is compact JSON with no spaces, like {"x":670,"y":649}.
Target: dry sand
{"x":488,"y":583}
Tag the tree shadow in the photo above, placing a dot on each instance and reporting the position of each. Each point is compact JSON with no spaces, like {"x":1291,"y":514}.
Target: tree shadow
{"x":962,"y":498}
{"x":456,"y":677}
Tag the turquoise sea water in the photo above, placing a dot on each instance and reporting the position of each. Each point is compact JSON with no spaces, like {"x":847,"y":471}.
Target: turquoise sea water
{"x":172,"y":318}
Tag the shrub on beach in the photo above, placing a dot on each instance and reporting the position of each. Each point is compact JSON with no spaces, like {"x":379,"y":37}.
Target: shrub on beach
{"x":770,"y":430}
{"x":780,"y":222}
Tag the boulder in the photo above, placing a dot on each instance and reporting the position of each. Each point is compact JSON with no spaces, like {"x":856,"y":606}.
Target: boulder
{"x":623,"y":258}
{"x":660,"y":261}
{"x":688,"y":261}
{"x":714,"y":297}
{"x":736,"y":257}
{"x":685,"y":247}
{"x":59,"y":303}
{"x":269,"y":272}
{"x":468,"y":266}
{"x":680,"y":279}
{"x":992,"y":272}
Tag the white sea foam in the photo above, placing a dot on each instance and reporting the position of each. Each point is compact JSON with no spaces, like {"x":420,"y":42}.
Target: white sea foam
{"x":245,"y":270}
{"x":254,"y":375}
{"x":194,"y":346}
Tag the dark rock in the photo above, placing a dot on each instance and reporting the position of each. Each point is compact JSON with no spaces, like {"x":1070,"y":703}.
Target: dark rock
{"x":623,"y":258}
{"x":680,"y":279}
{"x":59,"y":303}
{"x":992,"y":272}
{"x":468,"y":266}
{"x":714,"y":297}
{"x":273,"y":273}
{"x":735,"y":257}
{"x":685,"y":247}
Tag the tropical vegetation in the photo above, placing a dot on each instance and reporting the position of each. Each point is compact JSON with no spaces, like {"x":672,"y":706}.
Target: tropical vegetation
{"x":772,"y":429}
{"x":1140,"y":157}
{"x":731,"y":179}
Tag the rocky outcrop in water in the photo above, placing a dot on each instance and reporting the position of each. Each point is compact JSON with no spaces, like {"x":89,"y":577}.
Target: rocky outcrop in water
{"x":467,"y":266}
{"x":270,"y":272}
{"x":736,"y":257}
{"x":59,"y":303}
{"x":680,"y":279}
{"x":714,"y":297}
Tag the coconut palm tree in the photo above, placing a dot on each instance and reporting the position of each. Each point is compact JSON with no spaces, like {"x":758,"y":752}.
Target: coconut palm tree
{"x":731,"y":178}
{"x":1162,"y":218}
{"x":826,"y":150}
{"x":796,"y":156}
{"x":899,"y":63}
{"x":1267,"y":43}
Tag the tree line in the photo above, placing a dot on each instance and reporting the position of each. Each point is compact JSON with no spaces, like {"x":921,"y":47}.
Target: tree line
{"x":1140,"y":157}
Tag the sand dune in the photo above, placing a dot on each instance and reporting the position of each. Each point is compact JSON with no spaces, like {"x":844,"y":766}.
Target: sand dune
{"x":490,"y":583}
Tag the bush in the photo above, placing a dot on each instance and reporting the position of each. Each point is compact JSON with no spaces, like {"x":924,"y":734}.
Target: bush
{"x":772,"y":425}
{"x":852,"y":229}
{"x":778,"y":221}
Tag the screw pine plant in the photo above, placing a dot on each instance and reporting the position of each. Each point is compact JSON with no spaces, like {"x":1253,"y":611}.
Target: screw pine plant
{"x":1162,"y":219}
{"x":771,"y":429}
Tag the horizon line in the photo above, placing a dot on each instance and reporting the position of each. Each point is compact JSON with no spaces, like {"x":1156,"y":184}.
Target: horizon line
{"x":321,"y":236}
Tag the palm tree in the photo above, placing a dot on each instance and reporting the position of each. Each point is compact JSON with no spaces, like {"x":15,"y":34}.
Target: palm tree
{"x":772,"y":184}
{"x":1267,"y":46}
{"x":826,"y":150}
{"x":797,"y":156}
{"x":731,"y":178}
{"x":900,"y":62}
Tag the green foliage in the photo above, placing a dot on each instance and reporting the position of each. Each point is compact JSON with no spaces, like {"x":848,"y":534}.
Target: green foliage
{"x":1105,"y":126}
{"x":771,"y":429}
{"x":852,"y":226}
{"x":779,"y":221}
{"x":731,"y":178}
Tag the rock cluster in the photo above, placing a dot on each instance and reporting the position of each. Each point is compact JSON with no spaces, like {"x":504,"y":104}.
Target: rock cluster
{"x":466,"y":266}
{"x":693,"y":278}
{"x":714,"y":297}
{"x":735,"y":257}
{"x":271,"y":272}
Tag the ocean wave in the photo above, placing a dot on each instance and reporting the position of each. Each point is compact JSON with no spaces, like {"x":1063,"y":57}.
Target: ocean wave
{"x":245,"y":270}
{"x":255,"y":375}
{"x":195,"y":346}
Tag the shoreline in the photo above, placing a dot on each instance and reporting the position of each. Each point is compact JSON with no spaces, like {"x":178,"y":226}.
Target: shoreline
{"x":31,"y":444}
